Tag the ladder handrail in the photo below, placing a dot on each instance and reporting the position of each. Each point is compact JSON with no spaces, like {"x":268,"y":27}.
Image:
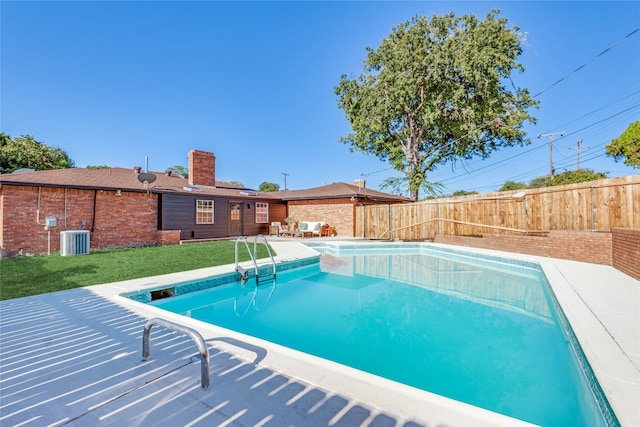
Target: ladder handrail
{"x":266,"y":244}
{"x":253,"y":255}
{"x":195,"y":335}
{"x":253,"y":258}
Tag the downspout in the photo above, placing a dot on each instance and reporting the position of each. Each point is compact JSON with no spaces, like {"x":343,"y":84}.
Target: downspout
{"x":38,"y":209}
{"x":93,"y":218}
{"x":65,"y":208}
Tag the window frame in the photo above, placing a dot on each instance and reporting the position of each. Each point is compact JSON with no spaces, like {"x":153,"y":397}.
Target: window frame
{"x":262,"y":210}
{"x":204,"y":210}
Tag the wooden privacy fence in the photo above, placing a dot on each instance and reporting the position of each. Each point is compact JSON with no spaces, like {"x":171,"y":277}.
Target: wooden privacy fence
{"x":592,"y":206}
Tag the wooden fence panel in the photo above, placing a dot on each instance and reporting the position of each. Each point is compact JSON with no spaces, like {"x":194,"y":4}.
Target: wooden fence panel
{"x":596,"y":206}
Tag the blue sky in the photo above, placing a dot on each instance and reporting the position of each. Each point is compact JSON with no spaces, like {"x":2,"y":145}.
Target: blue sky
{"x":115,"y":82}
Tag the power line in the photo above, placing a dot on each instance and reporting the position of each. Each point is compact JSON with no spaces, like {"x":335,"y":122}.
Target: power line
{"x":588,"y":62}
{"x":595,"y":111}
{"x":605,"y":119}
{"x":617,"y":114}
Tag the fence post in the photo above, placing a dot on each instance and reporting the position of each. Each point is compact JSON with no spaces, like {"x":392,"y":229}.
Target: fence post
{"x":437,"y":217}
{"x":524,"y":206}
{"x":364,"y":221}
{"x":390,"y":223}
{"x":593,"y":212}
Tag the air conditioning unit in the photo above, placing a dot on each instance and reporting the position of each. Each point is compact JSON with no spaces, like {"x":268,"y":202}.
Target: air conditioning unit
{"x":74,"y":242}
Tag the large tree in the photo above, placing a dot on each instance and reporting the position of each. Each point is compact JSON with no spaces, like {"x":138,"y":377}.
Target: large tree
{"x":627,"y":146}
{"x":26,"y":152}
{"x":437,"y":90}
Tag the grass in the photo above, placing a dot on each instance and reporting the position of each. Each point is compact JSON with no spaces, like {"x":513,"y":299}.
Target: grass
{"x":32,"y":275}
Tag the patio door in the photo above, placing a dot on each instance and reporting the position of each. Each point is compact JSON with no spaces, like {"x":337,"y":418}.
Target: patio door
{"x":235,"y":219}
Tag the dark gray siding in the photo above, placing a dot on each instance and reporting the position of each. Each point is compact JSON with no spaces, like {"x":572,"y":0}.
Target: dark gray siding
{"x":178,"y":212}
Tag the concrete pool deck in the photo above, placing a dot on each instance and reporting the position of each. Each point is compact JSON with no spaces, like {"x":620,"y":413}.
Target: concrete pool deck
{"x":74,"y":358}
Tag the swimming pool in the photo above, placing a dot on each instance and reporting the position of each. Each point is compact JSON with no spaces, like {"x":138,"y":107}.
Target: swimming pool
{"x":485,"y":331}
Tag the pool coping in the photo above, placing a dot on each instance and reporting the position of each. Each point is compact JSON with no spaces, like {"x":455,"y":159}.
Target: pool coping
{"x":602,"y":325}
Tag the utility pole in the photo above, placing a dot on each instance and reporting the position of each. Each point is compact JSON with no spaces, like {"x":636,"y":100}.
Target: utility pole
{"x":551,"y":135}
{"x":578,"y":149}
{"x":285,"y":179}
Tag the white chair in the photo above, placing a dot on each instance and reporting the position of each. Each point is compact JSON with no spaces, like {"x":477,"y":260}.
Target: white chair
{"x":276,"y":228}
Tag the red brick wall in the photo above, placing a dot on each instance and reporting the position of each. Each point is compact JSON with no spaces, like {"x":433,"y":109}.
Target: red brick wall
{"x":202,"y":168}
{"x":337,"y":213}
{"x":626,"y":251}
{"x":126,"y":220}
{"x":168,"y":237}
{"x":578,"y":246}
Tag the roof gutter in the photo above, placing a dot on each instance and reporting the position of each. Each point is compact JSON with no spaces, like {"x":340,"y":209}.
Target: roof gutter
{"x":75,"y":186}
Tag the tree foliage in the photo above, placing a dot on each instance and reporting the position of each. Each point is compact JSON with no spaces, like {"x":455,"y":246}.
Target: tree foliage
{"x":230,"y":184}
{"x":435,"y":91}
{"x":463,"y":193}
{"x":179,"y":170}
{"x":567,"y":177}
{"x":627,"y":146}
{"x":268,"y":187}
{"x":25,"y":152}
{"x":399,"y":185}
{"x":513,"y":185}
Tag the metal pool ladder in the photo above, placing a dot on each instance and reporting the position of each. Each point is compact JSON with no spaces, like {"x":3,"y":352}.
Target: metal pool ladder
{"x":195,"y":335}
{"x":244,"y":272}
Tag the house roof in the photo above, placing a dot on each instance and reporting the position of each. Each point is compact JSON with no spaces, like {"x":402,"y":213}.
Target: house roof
{"x":128,"y":180}
{"x":340,"y":190}
{"x":121,"y":179}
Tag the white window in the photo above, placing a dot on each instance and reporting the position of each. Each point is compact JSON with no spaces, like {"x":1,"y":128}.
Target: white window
{"x":204,"y":211}
{"x":262,"y":213}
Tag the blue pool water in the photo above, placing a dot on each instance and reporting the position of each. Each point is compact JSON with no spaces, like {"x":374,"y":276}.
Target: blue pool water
{"x":482,"y":331}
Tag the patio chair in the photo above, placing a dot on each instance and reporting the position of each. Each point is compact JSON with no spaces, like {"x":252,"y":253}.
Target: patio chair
{"x":276,"y":228}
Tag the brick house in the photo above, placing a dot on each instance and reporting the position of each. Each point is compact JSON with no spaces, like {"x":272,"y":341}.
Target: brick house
{"x":128,"y":207}
{"x":335,"y":203}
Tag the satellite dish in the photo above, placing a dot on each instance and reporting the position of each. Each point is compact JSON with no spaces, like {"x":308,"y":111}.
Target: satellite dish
{"x":519,"y":195}
{"x":148,"y":177}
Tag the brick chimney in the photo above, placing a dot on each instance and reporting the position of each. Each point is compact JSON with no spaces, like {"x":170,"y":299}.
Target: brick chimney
{"x":360,"y":183}
{"x":202,"y":168}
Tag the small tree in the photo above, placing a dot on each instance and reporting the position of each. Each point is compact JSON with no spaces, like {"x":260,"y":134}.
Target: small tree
{"x":463,"y":193}
{"x":434,"y":91}
{"x":178,"y":170}
{"x":627,"y":146}
{"x":26,"y":152}
{"x":512,"y":185}
{"x":230,"y":184}
{"x":567,"y":177}
{"x":268,"y":187}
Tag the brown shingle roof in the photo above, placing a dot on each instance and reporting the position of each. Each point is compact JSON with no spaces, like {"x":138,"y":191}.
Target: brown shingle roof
{"x":340,"y":190}
{"x":120,"y":179}
{"x":127,"y":180}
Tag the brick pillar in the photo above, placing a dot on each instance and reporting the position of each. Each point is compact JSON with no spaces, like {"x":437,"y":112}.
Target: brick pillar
{"x":202,"y":168}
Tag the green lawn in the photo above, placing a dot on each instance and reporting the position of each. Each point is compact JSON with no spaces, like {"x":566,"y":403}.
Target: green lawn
{"x":32,"y":275}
